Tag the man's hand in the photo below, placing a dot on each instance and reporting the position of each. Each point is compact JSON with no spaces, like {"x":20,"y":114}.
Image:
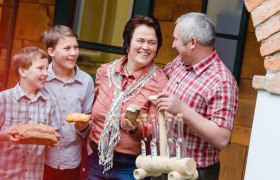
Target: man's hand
{"x":153,"y":100}
{"x":170,"y":103}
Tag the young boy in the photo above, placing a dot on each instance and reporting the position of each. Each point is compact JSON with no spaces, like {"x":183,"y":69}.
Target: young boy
{"x":73,"y":90}
{"x":26,"y":103}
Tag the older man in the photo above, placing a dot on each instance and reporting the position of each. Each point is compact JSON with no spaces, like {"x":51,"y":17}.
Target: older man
{"x":201,"y":88}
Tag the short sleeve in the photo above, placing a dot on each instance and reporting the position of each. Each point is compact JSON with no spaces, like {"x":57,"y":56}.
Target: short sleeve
{"x":223,"y":100}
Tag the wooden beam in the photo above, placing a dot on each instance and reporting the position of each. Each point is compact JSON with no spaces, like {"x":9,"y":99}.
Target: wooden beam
{"x":241,"y":135}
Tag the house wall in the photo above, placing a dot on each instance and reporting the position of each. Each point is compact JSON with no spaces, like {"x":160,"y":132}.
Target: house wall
{"x":234,"y":157}
{"x":34,"y":16}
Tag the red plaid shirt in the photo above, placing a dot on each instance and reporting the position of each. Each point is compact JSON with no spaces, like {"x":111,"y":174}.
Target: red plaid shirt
{"x":210,"y":89}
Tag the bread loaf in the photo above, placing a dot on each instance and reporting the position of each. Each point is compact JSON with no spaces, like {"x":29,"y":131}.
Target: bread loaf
{"x":77,"y":117}
{"x":39,"y":134}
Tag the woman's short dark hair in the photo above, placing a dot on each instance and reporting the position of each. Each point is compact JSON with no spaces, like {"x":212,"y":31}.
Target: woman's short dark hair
{"x":136,"y":21}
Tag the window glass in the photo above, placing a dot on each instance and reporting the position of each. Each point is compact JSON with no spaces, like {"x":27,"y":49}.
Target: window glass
{"x":226,"y":14}
{"x":226,"y":49}
{"x":90,"y":60}
{"x":102,"y":21}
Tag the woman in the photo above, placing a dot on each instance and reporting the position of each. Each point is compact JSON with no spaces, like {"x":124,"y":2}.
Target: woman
{"x":114,"y":141}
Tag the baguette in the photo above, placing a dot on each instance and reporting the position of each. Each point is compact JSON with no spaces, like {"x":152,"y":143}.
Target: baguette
{"x":39,"y":134}
{"x":77,"y":117}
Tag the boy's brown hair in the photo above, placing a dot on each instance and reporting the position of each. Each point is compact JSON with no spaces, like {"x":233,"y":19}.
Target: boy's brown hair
{"x":25,"y":56}
{"x":53,"y":34}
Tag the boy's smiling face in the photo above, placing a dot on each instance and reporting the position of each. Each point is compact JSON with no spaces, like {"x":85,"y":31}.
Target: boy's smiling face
{"x":35,"y":76}
{"x":65,"y":53}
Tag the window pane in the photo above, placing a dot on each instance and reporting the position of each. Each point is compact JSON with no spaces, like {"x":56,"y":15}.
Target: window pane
{"x":226,"y":14}
{"x":102,"y":21}
{"x":226,"y":49}
{"x":90,"y":60}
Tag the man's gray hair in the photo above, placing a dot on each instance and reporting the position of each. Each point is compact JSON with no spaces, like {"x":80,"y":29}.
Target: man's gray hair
{"x":197,"y":25}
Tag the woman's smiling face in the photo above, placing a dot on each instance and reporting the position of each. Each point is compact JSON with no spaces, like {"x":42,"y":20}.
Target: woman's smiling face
{"x":143,"y":46}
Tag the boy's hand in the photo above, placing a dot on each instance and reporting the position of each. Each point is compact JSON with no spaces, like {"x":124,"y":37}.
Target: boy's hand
{"x":58,"y":138}
{"x":80,"y":126}
{"x":12,"y":134}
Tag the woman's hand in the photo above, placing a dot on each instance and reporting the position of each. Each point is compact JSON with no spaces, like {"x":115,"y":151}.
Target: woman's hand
{"x":127,"y":125}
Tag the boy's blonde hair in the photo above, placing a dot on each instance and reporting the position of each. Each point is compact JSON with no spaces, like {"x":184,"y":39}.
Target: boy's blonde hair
{"x":25,"y":56}
{"x":53,"y":34}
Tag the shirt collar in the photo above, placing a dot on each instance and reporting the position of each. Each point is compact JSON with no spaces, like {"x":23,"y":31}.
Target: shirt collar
{"x":51,"y":74}
{"x":204,"y":64}
{"x":19,"y":93}
{"x":137,"y":75}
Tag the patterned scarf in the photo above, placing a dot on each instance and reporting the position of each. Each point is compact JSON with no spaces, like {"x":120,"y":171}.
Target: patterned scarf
{"x":110,"y":135}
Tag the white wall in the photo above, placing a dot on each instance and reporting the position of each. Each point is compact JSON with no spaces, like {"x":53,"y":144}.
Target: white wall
{"x":263,"y":160}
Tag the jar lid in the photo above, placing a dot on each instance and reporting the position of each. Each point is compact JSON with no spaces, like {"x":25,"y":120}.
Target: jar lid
{"x":133,"y":108}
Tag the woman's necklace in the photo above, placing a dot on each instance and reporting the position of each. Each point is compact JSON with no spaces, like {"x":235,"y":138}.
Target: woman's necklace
{"x":126,"y":69}
{"x":115,"y":79}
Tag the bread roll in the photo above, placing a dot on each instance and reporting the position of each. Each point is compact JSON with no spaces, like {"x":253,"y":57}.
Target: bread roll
{"x":39,"y":134}
{"x":77,"y":117}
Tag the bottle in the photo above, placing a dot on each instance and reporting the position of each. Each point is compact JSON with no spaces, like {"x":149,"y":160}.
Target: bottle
{"x":144,"y":140}
{"x":180,"y":138}
{"x":170,"y":138}
{"x":154,"y":141}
